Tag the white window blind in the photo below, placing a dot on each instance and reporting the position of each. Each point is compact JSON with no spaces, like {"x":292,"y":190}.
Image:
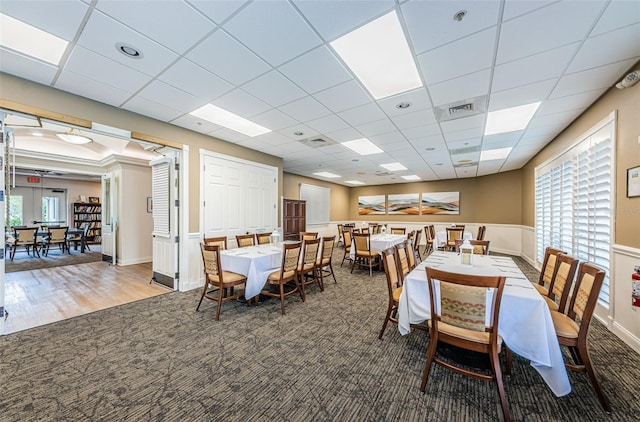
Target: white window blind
{"x":573,"y":198}
{"x":160,"y":197}
{"x":318,"y":203}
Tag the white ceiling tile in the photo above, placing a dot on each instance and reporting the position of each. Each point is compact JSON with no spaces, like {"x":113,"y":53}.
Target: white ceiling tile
{"x":593,"y":79}
{"x":307,"y":132}
{"x":363,"y":114}
{"x":274,"y":30}
{"x":229,"y":135}
{"x":218,"y":10}
{"x":471,"y":122}
{"x":25,"y":67}
{"x":316,"y":70}
{"x":525,"y":94}
{"x":273,"y":119}
{"x":597,"y":50}
{"x":105,"y":71}
{"x":150,"y":108}
{"x":163,"y":93}
{"x":513,"y":9}
{"x":345,"y":135}
{"x":387,"y":138}
{"x":418,"y":100}
{"x":556,"y":120}
{"x":273,"y":139}
{"x":461,"y":88}
{"x":466,"y":135}
{"x":570,"y":102}
{"x":231,"y":61}
{"x":101,"y":34}
{"x":465,"y":172}
{"x":90,"y":88}
{"x":547,"y":65}
{"x":415,"y":119}
{"x":274,"y":89}
{"x":305,"y":109}
{"x":200,"y":83}
{"x":619,"y":13}
{"x":489,"y":167}
{"x":341,"y":16}
{"x":461,"y":57}
{"x":330,"y":123}
{"x":422,"y":131}
{"x":376,"y":128}
{"x":431,"y":23}
{"x":195,"y":123}
{"x":39,"y":14}
{"x":502,"y":138}
{"x":546,"y":28}
{"x":152,"y":18}
{"x":467,"y":143}
{"x":344,"y":96}
{"x":241,"y":103}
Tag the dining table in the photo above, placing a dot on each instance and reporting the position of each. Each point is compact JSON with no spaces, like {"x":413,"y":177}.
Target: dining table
{"x":254,"y":262}
{"x":524,"y":323}
{"x":380,"y":242}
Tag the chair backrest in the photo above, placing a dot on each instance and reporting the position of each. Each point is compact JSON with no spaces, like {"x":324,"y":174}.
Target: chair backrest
{"x":549,"y":264}
{"x":481,"y":231}
{"x":263,"y":238}
{"x":480,"y":247}
{"x":310,"y":251}
{"x":328,"y":242}
{"x":460,"y":226}
{"x":391,"y":270}
{"x":220,"y":241}
{"x":24,"y":235}
{"x":585,"y":295}
{"x":290,"y":258}
{"x":429,"y":234}
{"x":245,"y":240}
{"x":361,"y":241}
{"x":462,"y":301}
{"x":454,"y":233}
{"x":308,"y":235}
{"x":211,"y":261}
{"x":402,"y":259}
{"x":418,"y":238}
{"x":85,"y":229}
{"x":562,"y":280}
{"x":398,"y":230}
{"x":57,"y":234}
{"x":365,"y":230}
{"x":411,"y":234}
{"x":346,"y":235}
{"x":411,"y":254}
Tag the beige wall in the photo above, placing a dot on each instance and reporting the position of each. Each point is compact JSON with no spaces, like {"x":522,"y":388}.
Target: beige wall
{"x":627,"y":154}
{"x":487,"y":199}
{"x":339,"y":194}
{"x":36,"y":95}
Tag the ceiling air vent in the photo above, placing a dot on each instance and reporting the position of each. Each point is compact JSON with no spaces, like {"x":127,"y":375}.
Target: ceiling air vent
{"x":383,"y":173}
{"x":459,"y":109}
{"x":317,"y":141}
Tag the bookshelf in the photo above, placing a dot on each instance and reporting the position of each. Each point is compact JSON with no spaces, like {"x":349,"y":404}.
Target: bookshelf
{"x":85,"y":212}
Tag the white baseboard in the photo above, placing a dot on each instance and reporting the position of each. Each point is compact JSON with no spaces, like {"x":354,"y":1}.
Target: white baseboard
{"x":141,"y":260}
{"x":624,"y":335}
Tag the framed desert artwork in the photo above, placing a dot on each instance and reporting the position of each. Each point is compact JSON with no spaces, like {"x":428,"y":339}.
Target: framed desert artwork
{"x":408,"y":204}
{"x":371,"y":205}
{"x":440,"y":203}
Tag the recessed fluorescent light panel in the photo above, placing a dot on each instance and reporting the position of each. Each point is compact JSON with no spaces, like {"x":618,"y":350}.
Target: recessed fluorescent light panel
{"x":379,"y":55}
{"x":510,"y":119}
{"x":495,"y":154}
{"x":411,"y":177}
{"x":362,"y":146}
{"x":394,"y":166}
{"x":29,"y":40}
{"x":354,"y":182}
{"x":326,"y":174}
{"x":229,"y":120}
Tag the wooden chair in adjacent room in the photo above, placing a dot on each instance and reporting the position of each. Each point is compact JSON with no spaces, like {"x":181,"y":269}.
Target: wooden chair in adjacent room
{"x":220,"y":241}
{"x":285,"y":274}
{"x":26,"y":238}
{"x":453,"y":234}
{"x":561,"y":282}
{"x":307,"y":271}
{"x":56,"y":236}
{"x":459,"y":318}
{"x":221,"y":283}
{"x":346,"y":235}
{"x":263,"y":238}
{"x":548,"y":267}
{"x":364,"y":256}
{"x":480,"y":247}
{"x":572,"y":328}
{"x":245,"y":240}
{"x":398,"y":230}
{"x":324,"y":265}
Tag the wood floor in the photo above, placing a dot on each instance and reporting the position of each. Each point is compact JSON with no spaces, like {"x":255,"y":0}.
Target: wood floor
{"x":39,"y":297}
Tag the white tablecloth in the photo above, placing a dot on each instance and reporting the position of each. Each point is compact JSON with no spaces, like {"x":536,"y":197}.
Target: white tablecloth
{"x":255,"y":262}
{"x":441,"y":237}
{"x":525,"y":321}
{"x":380,"y":242}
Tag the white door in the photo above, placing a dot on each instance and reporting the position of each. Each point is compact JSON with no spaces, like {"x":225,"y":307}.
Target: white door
{"x":110,"y":217}
{"x":32,"y":206}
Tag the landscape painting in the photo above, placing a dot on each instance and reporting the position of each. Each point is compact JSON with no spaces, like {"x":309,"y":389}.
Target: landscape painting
{"x":404,"y":204}
{"x":371,"y":205}
{"x":440,"y":203}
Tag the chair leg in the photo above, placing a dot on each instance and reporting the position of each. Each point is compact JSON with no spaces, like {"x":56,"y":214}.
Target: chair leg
{"x":386,"y":320}
{"x":220,"y":296}
{"x":204,"y":292}
{"x":332,"y":273}
{"x":586,"y":359}
{"x":302,"y":287}
{"x":497,"y":370}
{"x":282,"y":297}
{"x":431,"y":355}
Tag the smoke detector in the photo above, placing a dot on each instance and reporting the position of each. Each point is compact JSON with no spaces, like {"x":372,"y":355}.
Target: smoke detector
{"x":630,"y":80}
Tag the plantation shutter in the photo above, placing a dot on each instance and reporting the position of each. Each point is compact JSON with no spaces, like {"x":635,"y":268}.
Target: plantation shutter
{"x":160,"y":197}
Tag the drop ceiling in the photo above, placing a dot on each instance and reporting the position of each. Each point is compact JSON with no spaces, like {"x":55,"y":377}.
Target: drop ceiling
{"x":271,"y":62}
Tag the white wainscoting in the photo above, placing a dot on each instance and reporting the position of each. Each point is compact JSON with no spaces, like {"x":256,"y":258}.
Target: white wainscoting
{"x":624,"y":319}
{"x":195,"y":274}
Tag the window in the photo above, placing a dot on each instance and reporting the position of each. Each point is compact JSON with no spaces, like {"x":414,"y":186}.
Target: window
{"x":16,"y":213}
{"x":50,"y":208}
{"x":573,"y":197}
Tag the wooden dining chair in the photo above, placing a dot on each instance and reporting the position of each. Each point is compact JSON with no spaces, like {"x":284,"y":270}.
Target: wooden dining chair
{"x":430,"y":239}
{"x":218,"y":284}
{"x":561,"y":282}
{"x":453,"y":234}
{"x":340,"y":230}
{"x":26,"y":238}
{"x":398,"y":230}
{"x":287,"y":273}
{"x":402,"y":259}
{"x":418,"y":239}
{"x":411,"y":254}
{"x":346,"y":235}
{"x":220,"y":241}
{"x":364,"y":256}
{"x":480,"y":247}
{"x":263,"y":238}
{"x":572,"y":328}
{"x":245,"y":240}
{"x":324,"y":267}
{"x":307,"y":270}
{"x":481,"y":232}
{"x":56,"y":236}
{"x":308,"y":235}
{"x":548,"y":267}
{"x":394,"y":286}
{"x":459,"y":315}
